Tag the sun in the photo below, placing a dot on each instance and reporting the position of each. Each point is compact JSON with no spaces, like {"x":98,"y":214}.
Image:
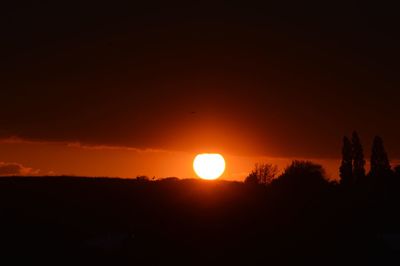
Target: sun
{"x":209,"y":166}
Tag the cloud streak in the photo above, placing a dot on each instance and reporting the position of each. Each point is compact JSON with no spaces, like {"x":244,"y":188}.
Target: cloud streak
{"x":10,"y":169}
{"x":80,"y":145}
{"x":113,"y":147}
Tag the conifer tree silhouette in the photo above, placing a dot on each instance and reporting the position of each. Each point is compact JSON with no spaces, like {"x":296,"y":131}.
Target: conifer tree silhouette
{"x":346,"y":167}
{"x":358,"y":157}
{"x":380,"y":164}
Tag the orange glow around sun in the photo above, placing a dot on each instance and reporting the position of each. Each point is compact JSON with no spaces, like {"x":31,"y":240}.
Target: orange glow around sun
{"x":209,"y":166}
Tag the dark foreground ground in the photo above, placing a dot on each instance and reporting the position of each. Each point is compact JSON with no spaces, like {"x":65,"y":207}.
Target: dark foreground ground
{"x":76,"y":221}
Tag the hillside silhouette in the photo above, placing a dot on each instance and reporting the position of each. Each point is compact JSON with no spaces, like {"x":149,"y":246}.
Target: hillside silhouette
{"x":192,"y":222}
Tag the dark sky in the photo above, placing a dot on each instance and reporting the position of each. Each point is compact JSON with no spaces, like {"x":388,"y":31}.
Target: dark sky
{"x":277,"y":80}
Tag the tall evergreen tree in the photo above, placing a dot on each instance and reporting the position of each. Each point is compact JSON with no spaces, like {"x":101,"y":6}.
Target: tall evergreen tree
{"x":358,"y":157}
{"x":380,"y":164}
{"x":346,"y":167}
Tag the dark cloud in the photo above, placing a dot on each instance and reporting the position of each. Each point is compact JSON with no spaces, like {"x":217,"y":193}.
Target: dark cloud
{"x":7,"y":169}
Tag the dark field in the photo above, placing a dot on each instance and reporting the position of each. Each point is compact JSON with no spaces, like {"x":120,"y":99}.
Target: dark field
{"x":70,"y":220}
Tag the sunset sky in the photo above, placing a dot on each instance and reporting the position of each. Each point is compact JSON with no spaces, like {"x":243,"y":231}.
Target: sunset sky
{"x":116,"y":90}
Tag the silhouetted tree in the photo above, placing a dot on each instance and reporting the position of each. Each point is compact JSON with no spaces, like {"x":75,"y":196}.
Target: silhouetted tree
{"x":380,"y":164}
{"x":346,"y":167}
{"x":263,"y":173}
{"x":303,"y":175}
{"x":358,"y":157}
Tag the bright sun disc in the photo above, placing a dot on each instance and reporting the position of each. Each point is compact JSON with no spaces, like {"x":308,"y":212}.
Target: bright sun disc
{"x":209,"y":166}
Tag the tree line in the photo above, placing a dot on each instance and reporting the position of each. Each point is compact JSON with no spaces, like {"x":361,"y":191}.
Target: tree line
{"x":351,"y":171}
{"x":352,"y":168}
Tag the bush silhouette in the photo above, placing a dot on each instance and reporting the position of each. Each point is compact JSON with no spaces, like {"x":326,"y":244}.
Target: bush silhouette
{"x":142,"y":178}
